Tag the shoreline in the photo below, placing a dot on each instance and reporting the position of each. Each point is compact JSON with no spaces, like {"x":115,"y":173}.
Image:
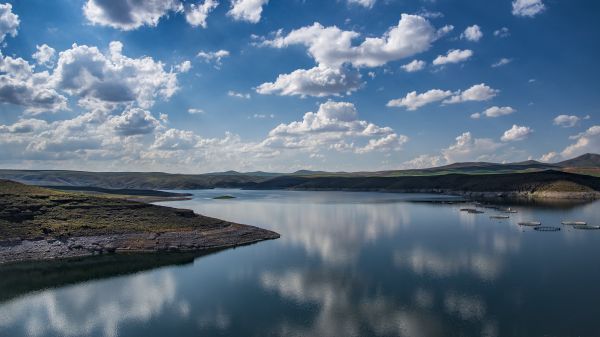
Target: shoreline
{"x":17,"y":250}
{"x":505,"y":195}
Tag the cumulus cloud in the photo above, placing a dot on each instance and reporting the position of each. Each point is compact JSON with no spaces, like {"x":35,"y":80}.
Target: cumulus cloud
{"x":453,"y":56}
{"x":501,"y":62}
{"x":44,"y":55}
{"x":413,"y":100}
{"x":550,"y":156}
{"x":319,"y":81}
{"x":333,"y":50}
{"x":196,"y":14}
{"x":587,"y":141}
{"x":364,"y":3}
{"x":175,"y":139}
{"x":494,"y":111}
{"x":467,"y":148}
{"x":20,"y":85}
{"x":566,"y":121}
{"x":25,"y":126}
{"x":247,"y":10}
{"x":516,"y":133}
{"x":527,"y":8}
{"x":134,"y":122}
{"x":9,"y":22}
{"x":184,"y":66}
{"x":132,"y":14}
{"x":413,"y":66}
{"x":332,"y":47}
{"x":335,"y":126}
{"x":129,"y":14}
{"x":423,"y":161}
{"x":478,"y":92}
{"x":472,"y":33}
{"x":215,"y":57}
{"x":112,"y":78}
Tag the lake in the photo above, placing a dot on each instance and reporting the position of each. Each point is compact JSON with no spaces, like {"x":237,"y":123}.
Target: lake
{"x":347,"y":264}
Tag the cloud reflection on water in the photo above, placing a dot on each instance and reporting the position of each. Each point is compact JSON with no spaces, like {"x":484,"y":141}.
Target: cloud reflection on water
{"x":93,"y":308}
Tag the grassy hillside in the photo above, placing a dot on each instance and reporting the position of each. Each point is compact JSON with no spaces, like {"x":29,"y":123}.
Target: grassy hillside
{"x":521,"y":182}
{"x":33,"y":212}
{"x":128,"y":180}
{"x":587,"y":160}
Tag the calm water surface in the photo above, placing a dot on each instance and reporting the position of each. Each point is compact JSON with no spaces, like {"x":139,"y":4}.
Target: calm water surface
{"x":347,"y":264}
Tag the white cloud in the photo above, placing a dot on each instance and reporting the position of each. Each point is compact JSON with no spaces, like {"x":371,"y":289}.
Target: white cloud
{"x":478,"y":92}
{"x":196,"y":14}
{"x":453,"y":56}
{"x":333,"y":47}
{"x":587,"y":141}
{"x":194,"y":111}
{"x":364,"y":3}
{"x":472,"y":33}
{"x":247,"y":10}
{"x":184,"y":66}
{"x":335,"y":126}
{"x":112,"y":78}
{"x":386,"y":143}
{"x":503,"y":61}
{"x":215,"y":57}
{"x":175,"y":139}
{"x":413,"y":101}
{"x":502,"y":32}
{"x":134,"y":122}
{"x":232,"y":93}
{"x":548,"y":157}
{"x":414,"y":66}
{"x":335,"y":55}
{"x":44,"y":55}
{"x":132,"y":14}
{"x":319,"y":81}
{"x":468,"y":148}
{"x":429,"y":14}
{"x":423,"y":161}
{"x":20,"y":85}
{"x":495,"y":111}
{"x":566,"y":121}
{"x":516,"y":133}
{"x":129,"y":14}
{"x":529,"y":8}
{"x":263,"y":116}
{"x":25,"y":126}
{"x":9,"y":22}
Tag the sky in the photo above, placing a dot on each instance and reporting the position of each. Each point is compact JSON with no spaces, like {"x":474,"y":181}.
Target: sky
{"x":282,"y":85}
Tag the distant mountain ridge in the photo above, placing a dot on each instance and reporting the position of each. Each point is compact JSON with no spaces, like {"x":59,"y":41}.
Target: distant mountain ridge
{"x":588,"y":164}
{"x":587,"y":160}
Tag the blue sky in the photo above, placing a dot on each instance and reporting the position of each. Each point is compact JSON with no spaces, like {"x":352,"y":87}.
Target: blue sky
{"x":200,"y":86}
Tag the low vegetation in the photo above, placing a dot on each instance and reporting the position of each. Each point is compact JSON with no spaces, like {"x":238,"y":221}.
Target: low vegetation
{"x":29,"y":212}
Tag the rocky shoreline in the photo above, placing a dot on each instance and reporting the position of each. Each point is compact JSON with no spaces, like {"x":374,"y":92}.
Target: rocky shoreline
{"x":50,"y":248}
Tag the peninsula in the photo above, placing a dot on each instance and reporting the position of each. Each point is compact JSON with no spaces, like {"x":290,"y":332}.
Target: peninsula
{"x":42,"y":224}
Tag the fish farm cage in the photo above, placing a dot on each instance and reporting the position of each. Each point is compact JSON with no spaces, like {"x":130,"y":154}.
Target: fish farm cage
{"x":547,"y":229}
